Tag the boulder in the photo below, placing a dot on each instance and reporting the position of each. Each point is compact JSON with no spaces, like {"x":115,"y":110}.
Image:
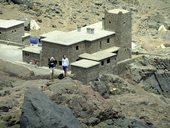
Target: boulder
{"x":100,"y":87}
{"x":40,"y":112}
{"x":88,"y":105}
{"x":164,"y":81}
{"x":21,"y":1}
{"x":109,"y":84}
{"x":153,"y":73}
{"x":28,"y":3}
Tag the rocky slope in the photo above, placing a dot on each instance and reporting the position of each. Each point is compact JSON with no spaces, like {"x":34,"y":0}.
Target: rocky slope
{"x":65,"y":15}
{"x":139,"y":99}
{"x":110,"y":102}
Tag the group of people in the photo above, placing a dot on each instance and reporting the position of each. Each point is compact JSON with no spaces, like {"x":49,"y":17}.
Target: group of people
{"x":52,"y":63}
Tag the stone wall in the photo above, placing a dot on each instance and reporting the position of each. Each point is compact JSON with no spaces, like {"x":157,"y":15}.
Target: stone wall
{"x":123,"y":54}
{"x":55,"y":50}
{"x":85,"y":74}
{"x":26,"y":40}
{"x":28,"y":57}
{"x":122,"y":65}
{"x":108,"y":65}
{"x":75,"y":50}
{"x":100,"y":44}
{"x":15,"y":69}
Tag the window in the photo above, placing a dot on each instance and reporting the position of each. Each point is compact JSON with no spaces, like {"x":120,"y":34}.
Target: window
{"x":110,"y":22}
{"x":108,"y":60}
{"x":108,"y":40}
{"x":78,"y":59}
{"x":0,"y":32}
{"x":27,"y":54}
{"x":77,"y":47}
{"x":100,"y":44}
{"x":60,"y":62}
{"x":15,"y":30}
{"x":102,"y":63}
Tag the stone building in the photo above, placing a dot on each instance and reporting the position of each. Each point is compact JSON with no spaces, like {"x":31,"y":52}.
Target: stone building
{"x":119,"y":21}
{"x":12,"y":32}
{"x":74,"y":43}
{"x":89,"y":69}
{"x":93,"y":49}
{"x":31,"y":54}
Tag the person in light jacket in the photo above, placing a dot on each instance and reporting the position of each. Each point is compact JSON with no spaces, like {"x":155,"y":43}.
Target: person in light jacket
{"x":65,"y":64}
{"x":52,"y":63}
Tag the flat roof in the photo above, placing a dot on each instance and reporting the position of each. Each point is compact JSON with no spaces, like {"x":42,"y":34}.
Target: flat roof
{"x":116,"y":11}
{"x":75,"y":36}
{"x":112,"y":49}
{"x":88,"y":56}
{"x":9,"y":23}
{"x":85,"y":63}
{"x":33,"y":49}
{"x":101,"y":55}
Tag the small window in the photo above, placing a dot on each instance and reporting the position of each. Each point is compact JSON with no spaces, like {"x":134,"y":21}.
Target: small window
{"x":102,"y":63}
{"x":0,"y":32}
{"x":110,"y":22}
{"x":108,"y":60}
{"x":27,"y":54}
{"x":15,"y":30}
{"x":108,"y":40}
{"x":60,"y":62}
{"x":77,"y":47}
{"x":12,"y":31}
{"x":100,"y":44}
{"x":78,"y":59}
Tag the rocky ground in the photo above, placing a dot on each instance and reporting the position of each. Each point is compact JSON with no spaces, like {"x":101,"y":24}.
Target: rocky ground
{"x":140,"y":97}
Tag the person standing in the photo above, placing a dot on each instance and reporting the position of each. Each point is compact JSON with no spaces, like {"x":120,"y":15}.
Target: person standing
{"x":52,"y":63}
{"x":65,"y":64}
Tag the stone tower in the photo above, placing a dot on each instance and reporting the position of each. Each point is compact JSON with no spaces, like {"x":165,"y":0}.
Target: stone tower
{"x":119,"y":21}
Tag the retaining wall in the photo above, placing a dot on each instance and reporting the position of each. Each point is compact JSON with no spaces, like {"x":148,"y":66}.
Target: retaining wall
{"x":15,"y":69}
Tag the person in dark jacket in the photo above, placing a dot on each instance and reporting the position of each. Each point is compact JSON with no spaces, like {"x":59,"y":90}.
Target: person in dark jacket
{"x":52,"y":63}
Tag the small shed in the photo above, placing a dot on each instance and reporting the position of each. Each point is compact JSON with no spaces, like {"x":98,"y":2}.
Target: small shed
{"x":32,"y":54}
{"x":85,"y":70}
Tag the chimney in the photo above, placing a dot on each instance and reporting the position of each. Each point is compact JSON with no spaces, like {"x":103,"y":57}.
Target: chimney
{"x":78,"y":28}
{"x":88,"y":30}
{"x":103,"y":20}
{"x":92,"y":30}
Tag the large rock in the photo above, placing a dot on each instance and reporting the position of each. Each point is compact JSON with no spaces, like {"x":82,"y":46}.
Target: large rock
{"x":153,"y":73}
{"x":89,"y":106}
{"x":109,"y":84}
{"x":101,"y":87}
{"x":40,"y":112}
{"x":21,"y":1}
{"x":29,"y":3}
